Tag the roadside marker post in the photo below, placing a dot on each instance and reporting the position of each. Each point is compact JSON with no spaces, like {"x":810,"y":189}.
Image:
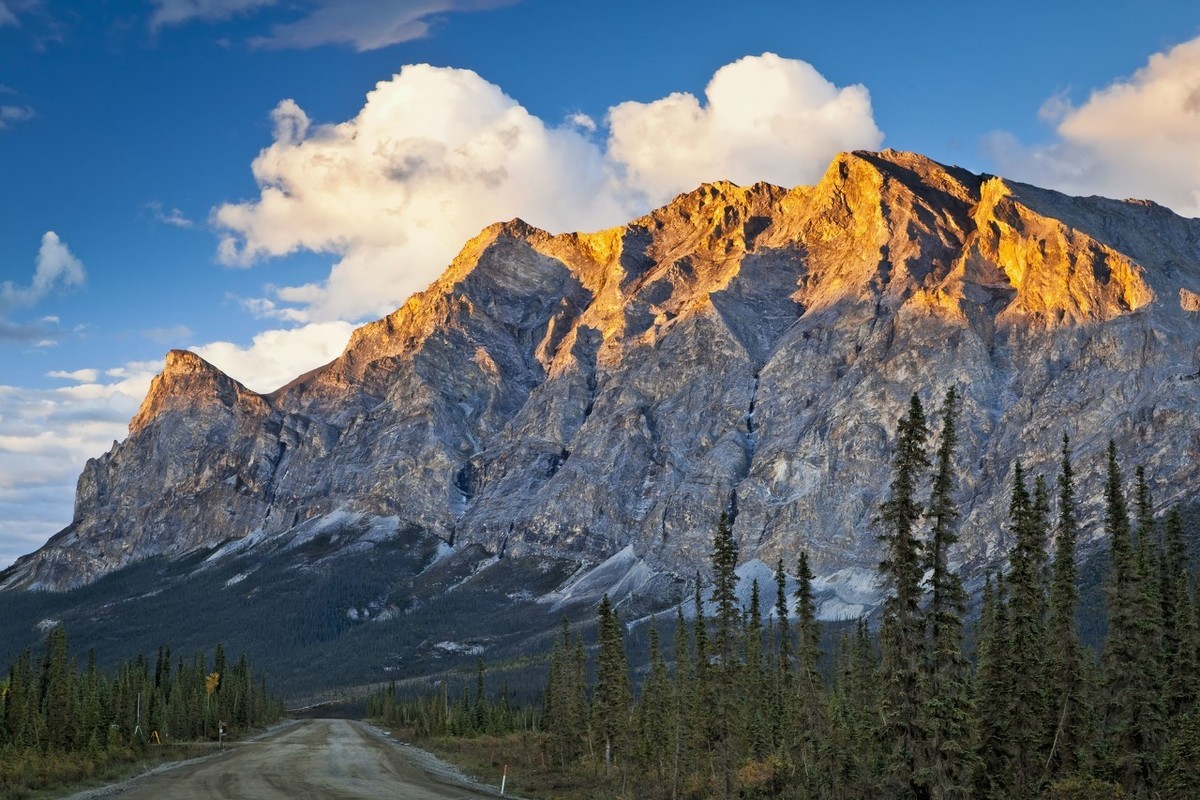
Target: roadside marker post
{"x":504,"y":779}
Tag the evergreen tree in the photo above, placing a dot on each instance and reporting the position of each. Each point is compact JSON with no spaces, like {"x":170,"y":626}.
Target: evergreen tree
{"x":58,"y":690}
{"x":654,"y":713}
{"x":726,"y":703}
{"x":1129,"y":749}
{"x":756,"y":702}
{"x":992,"y":682}
{"x":611,"y":698}
{"x":1029,"y":727}
{"x":784,"y":703}
{"x":902,"y":634}
{"x":1178,"y":620}
{"x":809,"y":690}
{"x":563,"y":702}
{"x":947,"y":712}
{"x":1065,"y":682}
{"x":781,"y":615}
{"x":683,"y":717}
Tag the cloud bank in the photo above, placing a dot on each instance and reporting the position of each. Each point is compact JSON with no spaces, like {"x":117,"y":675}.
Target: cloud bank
{"x":46,"y":435}
{"x":436,"y":154}
{"x":1137,"y":137}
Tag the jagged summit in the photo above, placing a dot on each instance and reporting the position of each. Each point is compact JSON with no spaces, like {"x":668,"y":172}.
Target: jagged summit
{"x":189,"y":384}
{"x":742,"y":348}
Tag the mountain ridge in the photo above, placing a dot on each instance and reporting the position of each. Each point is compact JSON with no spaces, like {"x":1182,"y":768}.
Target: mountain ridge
{"x":743,"y":348}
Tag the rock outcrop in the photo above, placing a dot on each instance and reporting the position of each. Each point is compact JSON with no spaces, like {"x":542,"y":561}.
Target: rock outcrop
{"x":744,"y":348}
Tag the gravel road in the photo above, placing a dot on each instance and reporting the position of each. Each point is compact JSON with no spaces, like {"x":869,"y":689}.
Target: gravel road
{"x":321,"y":759}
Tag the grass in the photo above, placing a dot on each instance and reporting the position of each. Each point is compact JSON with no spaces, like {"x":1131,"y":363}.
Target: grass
{"x":31,"y":775}
{"x":531,"y":773}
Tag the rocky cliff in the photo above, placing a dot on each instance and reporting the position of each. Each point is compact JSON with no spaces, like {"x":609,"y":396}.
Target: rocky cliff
{"x":743,"y":348}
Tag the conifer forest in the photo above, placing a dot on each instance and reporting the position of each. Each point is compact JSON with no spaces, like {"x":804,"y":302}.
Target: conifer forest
{"x":61,"y":723}
{"x":939,"y":697}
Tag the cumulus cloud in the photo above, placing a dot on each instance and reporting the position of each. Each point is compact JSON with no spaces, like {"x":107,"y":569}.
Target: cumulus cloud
{"x":275,"y":357}
{"x":1137,"y":137}
{"x":436,"y":154}
{"x":766,"y":118}
{"x":57,"y":268}
{"x":433,"y":156}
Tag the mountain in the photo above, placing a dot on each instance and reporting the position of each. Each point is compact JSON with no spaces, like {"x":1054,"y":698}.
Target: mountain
{"x":595,"y":398}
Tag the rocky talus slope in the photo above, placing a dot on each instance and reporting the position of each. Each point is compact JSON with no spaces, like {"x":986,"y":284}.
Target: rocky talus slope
{"x":743,"y":348}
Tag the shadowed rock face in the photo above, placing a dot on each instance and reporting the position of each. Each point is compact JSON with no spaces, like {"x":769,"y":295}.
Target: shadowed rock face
{"x":742,"y":349}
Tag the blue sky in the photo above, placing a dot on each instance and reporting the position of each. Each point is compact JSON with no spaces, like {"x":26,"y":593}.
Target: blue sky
{"x":213,"y":174}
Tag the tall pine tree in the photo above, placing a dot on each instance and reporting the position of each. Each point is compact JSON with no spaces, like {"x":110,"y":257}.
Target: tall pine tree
{"x":902,"y":634}
{"x":947,"y":712}
{"x":1064,"y":662}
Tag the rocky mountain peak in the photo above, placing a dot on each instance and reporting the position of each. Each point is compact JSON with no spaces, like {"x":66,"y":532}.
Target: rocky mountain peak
{"x":741,"y":349}
{"x":190,"y":384}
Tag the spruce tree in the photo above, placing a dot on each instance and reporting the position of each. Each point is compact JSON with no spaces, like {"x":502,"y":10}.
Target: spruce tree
{"x":784,"y":703}
{"x":683,"y":728}
{"x":947,"y":712}
{"x":1178,"y":620}
{"x":1065,"y":683}
{"x":809,"y":699}
{"x":1129,"y":753}
{"x":902,"y":634}
{"x":725,"y":683}
{"x":1029,"y":725}
{"x":563,"y":710}
{"x":992,"y":691}
{"x":655,"y":732}
{"x":756,"y":699}
{"x":611,"y":698}
{"x":785,"y":632}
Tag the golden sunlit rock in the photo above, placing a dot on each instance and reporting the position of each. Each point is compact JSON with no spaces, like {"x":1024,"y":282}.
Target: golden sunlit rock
{"x":575,"y":394}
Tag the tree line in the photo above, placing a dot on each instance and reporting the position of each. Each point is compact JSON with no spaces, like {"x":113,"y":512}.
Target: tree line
{"x":60,"y":722}
{"x":751,"y":706}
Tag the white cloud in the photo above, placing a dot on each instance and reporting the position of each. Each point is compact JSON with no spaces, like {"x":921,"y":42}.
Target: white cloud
{"x":1137,"y":137}
{"x":57,"y":268}
{"x":7,"y":17}
{"x":46,"y":435}
{"x":433,"y":156}
{"x":582,"y":121}
{"x":766,"y":118}
{"x":277,"y":356}
{"x":437,"y":154}
{"x":178,"y":12}
{"x":78,"y":375}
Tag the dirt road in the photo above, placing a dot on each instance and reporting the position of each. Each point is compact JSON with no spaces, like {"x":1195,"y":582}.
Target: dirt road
{"x":323,"y":759}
